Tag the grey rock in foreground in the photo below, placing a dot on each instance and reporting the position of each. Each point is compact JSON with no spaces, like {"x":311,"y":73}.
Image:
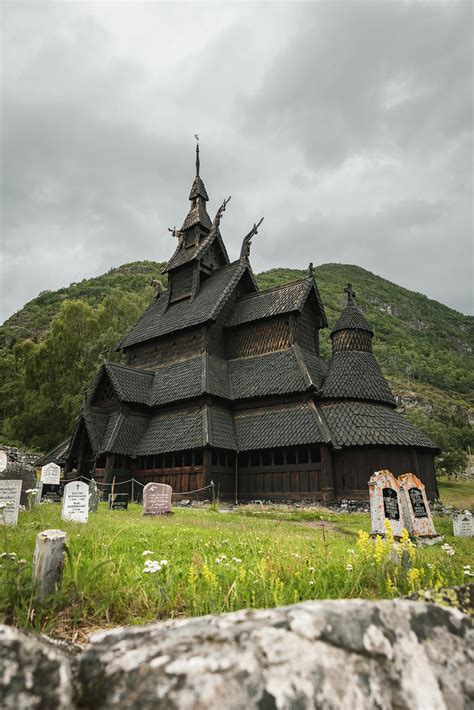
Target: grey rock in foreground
{"x":33,"y":672}
{"x":333,"y":655}
{"x":340,"y":654}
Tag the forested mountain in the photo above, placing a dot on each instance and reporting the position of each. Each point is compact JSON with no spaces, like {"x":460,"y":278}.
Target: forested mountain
{"x":49,"y":350}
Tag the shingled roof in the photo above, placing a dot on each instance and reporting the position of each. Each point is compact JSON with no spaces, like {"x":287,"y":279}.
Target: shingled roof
{"x":280,"y":372}
{"x":190,"y":378}
{"x":351,"y":319}
{"x":188,"y":429}
{"x":130,"y":383}
{"x":364,"y":424}
{"x":279,"y":425}
{"x":159,"y":320}
{"x":123,"y":433}
{"x":275,"y":301}
{"x":356,"y":375}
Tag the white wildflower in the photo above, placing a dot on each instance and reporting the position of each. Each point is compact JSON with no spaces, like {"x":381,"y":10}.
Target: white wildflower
{"x":237,"y":560}
{"x":163,"y":562}
{"x":349,"y":567}
{"x":448,"y":549}
{"x":152,"y":566}
{"x":145,"y":553}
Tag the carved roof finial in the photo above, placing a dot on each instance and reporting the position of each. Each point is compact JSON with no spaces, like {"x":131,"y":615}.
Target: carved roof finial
{"x":351,"y":294}
{"x":245,"y":251}
{"x":197,"y":154}
{"x":220,"y":212}
{"x":104,"y":355}
{"x":157,"y":286}
{"x":311,"y":269}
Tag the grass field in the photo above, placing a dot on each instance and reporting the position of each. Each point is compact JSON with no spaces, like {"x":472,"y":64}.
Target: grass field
{"x":459,"y":494}
{"x":207,"y":561}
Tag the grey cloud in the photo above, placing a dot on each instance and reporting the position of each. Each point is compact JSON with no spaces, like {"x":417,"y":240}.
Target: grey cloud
{"x":347,"y":125}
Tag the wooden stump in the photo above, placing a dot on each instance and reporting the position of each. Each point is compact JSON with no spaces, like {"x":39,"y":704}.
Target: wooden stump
{"x":48,"y":562}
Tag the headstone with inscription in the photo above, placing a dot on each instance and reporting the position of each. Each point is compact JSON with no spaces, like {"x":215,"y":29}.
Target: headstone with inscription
{"x":157,"y":499}
{"x":118,"y":501}
{"x":51,"y":474}
{"x":10,"y":492}
{"x":385,"y":503}
{"x":463,"y":524}
{"x":3,"y":460}
{"x":94,"y":496}
{"x":76,"y":502}
{"x":416,"y":509}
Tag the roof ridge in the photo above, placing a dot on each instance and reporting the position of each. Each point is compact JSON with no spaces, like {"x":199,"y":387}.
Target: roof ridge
{"x":272,"y":288}
{"x":128,"y":367}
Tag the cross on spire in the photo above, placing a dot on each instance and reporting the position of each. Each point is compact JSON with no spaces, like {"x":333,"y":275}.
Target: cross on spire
{"x":351,"y":294}
{"x":197,"y":154}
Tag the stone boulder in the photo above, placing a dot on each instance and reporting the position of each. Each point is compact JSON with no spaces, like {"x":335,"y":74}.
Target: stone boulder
{"x":34,"y":673}
{"x":331,"y":654}
{"x":336,"y":655}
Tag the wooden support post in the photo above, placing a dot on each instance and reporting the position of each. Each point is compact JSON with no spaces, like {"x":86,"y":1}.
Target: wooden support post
{"x":48,"y":562}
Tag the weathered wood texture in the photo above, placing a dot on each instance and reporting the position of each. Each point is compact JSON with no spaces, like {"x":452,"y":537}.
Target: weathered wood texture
{"x":171,"y":348}
{"x":353,"y":468}
{"x":260,"y":337}
{"x":48,"y":562}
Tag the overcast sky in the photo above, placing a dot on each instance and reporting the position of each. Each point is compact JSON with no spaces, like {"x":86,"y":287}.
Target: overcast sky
{"x":347,"y":125}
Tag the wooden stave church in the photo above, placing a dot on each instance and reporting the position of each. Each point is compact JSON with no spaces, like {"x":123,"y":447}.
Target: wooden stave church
{"x":223,"y":382}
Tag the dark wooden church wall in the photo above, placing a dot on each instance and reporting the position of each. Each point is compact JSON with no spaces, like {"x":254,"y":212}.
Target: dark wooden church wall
{"x":294,"y":473}
{"x":353,"y":467}
{"x":171,"y":348}
{"x":306,"y":329}
{"x":259,"y":337}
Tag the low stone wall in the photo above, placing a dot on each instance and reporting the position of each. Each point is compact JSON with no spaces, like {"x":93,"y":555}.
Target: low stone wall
{"x":335,"y":655}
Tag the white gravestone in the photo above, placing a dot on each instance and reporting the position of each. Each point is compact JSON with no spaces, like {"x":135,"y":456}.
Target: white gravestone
{"x":385,"y":503}
{"x":463,"y":524}
{"x":3,"y":460}
{"x":76,"y":502}
{"x":157,"y":499}
{"x":10,"y":492}
{"x":50,"y":474}
{"x":416,"y":509}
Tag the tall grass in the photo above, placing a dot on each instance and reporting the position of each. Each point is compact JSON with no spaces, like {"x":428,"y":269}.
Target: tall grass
{"x":208,"y":562}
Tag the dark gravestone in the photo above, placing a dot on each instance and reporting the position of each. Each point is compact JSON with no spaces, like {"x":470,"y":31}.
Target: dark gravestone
{"x":417,"y":503}
{"x":52,"y":492}
{"x":157,"y":499}
{"x":390,"y":504}
{"x":118,"y":501}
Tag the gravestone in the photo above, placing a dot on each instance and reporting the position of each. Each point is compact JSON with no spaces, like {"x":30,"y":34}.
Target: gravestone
{"x":39,"y":491}
{"x":94,"y":496}
{"x":463,"y":524}
{"x":10,"y":492}
{"x":118,"y":501}
{"x":157,"y":499}
{"x":3,"y":460}
{"x":51,"y":474}
{"x":76,"y":502}
{"x":416,"y":509}
{"x":19,"y":470}
{"x":385,"y":503}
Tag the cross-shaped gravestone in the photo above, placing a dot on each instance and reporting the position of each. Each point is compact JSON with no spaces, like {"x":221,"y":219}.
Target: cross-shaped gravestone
{"x":351,"y":294}
{"x":385,"y":504}
{"x":417,"y":510}
{"x":157,"y":499}
{"x":76,"y":502}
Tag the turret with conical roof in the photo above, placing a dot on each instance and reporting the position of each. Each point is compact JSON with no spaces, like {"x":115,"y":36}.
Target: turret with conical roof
{"x":354,"y":373}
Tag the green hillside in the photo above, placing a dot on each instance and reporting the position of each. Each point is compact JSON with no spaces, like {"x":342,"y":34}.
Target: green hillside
{"x":50,"y":349}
